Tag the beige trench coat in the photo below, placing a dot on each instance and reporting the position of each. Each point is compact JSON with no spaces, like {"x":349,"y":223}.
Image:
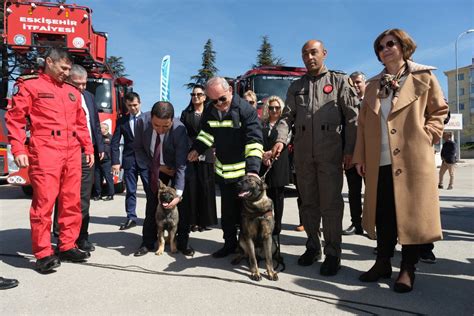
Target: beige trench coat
{"x":415,"y":123}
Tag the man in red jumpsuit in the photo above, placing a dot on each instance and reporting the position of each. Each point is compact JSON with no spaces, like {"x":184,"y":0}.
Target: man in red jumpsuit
{"x":58,"y":127}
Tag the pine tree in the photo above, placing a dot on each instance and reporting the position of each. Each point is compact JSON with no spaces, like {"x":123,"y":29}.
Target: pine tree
{"x":116,"y":63}
{"x":265,"y":55}
{"x":208,"y":69}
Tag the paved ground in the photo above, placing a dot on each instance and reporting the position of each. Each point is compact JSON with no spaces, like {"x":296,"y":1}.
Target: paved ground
{"x":115,"y":282}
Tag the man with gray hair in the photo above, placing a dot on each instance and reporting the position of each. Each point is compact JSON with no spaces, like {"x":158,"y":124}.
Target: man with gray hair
{"x":232,"y":127}
{"x":78,"y":78}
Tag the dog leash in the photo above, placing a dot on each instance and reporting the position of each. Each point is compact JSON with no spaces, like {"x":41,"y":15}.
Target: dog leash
{"x":268,"y":169}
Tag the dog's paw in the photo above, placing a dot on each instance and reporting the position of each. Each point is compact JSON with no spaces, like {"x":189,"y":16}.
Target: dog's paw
{"x":159,"y":252}
{"x":255,"y":276}
{"x":273,"y":276}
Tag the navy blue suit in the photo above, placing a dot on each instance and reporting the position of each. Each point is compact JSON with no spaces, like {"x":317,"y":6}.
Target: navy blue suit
{"x":131,"y":169}
{"x":175,"y":150}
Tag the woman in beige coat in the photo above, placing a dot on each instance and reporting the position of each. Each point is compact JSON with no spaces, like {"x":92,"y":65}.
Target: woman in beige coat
{"x":400,"y":120}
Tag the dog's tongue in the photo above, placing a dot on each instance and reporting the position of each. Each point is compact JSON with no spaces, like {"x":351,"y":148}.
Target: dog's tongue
{"x":244,"y":194}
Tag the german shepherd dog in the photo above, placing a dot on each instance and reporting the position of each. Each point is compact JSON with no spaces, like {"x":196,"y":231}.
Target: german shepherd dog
{"x":166,"y":219}
{"x":257,"y":225}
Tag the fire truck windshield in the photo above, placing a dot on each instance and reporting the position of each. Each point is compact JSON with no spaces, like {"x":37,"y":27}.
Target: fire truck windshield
{"x":268,"y":85}
{"x":101,"y":89}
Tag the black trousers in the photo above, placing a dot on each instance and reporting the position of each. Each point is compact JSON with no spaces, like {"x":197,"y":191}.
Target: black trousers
{"x":386,"y":221}
{"x":354,"y":183}
{"x":230,"y":212}
{"x":277,"y":194}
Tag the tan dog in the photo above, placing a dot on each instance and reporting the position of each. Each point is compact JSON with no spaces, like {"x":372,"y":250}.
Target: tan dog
{"x":257,"y":225}
{"x":166,"y":219}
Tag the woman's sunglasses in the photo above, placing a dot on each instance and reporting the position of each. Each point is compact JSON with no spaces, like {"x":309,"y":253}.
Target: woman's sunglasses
{"x":197,"y":94}
{"x":389,"y":44}
{"x":274,"y":108}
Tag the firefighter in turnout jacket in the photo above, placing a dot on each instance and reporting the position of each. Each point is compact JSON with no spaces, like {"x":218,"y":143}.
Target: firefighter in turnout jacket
{"x":53,"y":110}
{"x":232,"y":127}
{"x":321,"y":105}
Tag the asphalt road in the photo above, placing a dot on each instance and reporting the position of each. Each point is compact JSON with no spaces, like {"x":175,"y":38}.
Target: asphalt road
{"x":115,"y":282}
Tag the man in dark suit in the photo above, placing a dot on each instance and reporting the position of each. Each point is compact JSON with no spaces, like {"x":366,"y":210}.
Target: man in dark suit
{"x":78,"y":77}
{"x":126,"y":128}
{"x":161,"y":145}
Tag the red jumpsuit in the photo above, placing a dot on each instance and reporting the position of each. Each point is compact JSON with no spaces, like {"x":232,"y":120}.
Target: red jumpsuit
{"x":58,"y":131}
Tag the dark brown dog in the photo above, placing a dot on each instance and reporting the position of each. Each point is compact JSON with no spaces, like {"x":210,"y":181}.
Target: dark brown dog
{"x":166,"y":219}
{"x":257,"y":225}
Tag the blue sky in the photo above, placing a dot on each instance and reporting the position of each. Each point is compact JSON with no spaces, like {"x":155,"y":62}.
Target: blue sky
{"x":143,"y":31}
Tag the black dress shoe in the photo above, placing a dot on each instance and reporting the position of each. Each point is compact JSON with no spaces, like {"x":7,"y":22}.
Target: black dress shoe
{"x":143,"y":250}
{"x":108,"y":198}
{"x":381,"y":269}
{"x":128,"y":224}
{"x":7,"y":283}
{"x":330,"y":266}
{"x":74,"y":255}
{"x":353,"y":229}
{"x":224,"y":251}
{"x":47,"y":264}
{"x":189,"y":252}
{"x":96,"y":198}
{"x":309,"y":257}
{"x":85,"y":245}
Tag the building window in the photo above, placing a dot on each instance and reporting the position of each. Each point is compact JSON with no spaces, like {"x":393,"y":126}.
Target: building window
{"x":460,"y":76}
{"x":461,"y":91}
{"x":461,"y":106}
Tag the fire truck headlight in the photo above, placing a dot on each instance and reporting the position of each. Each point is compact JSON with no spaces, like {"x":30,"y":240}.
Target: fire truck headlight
{"x":61,"y":8}
{"x":85,"y":16}
{"x":12,"y":167}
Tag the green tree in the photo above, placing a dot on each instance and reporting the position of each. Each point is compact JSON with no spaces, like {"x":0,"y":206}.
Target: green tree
{"x":208,"y":69}
{"x":265,"y":55}
{"x":117,"y":66}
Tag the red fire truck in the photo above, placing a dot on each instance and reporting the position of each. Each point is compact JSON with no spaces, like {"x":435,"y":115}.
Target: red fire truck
{"x":267,"y":81}
{"x":30,"y":28}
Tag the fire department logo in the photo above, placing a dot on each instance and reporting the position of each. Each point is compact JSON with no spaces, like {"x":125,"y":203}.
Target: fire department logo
{"x":78,"y":42}
{"x":328,"y":88}
{"x":72,"y":97}
{"x":19,"y":39}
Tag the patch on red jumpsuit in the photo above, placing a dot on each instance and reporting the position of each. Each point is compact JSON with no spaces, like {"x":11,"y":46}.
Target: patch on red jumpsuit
{"x":72,"y":97}
{"x":46,"y":95}
{"x":327,"y":88}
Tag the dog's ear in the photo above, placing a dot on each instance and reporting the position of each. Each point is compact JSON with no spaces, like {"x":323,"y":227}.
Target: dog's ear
{"x":161,"y":185}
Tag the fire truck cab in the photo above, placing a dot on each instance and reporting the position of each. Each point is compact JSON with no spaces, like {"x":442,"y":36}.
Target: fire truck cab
{"x":267,"y":81}
{"x":32,"y":27}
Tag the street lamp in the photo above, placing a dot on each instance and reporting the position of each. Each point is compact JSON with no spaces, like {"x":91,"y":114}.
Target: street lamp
{"x":457,"y":85}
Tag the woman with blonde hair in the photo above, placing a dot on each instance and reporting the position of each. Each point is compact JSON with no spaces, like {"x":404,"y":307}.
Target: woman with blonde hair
{"x":400,"y":119}
{"x":278,"y":176}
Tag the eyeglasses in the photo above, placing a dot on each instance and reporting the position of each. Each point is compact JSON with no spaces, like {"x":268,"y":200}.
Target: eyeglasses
{"x":389,"y":44}
{"x":274,"y":108}
{"x":196,"y":94}
{"x":222,"y":99}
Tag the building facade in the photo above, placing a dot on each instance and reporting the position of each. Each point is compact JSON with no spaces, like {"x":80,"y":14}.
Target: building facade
{"x":466,"y":98}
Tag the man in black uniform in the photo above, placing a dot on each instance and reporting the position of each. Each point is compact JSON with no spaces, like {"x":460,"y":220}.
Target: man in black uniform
{"x":232,"y":126}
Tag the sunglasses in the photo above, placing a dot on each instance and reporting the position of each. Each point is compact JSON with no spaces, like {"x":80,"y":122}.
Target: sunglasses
{"x":389,"y":44}
{"x":251,"y":102}
{"x":274,"y":108}
{"x":196,"y":94}
{"x":222,"y":99}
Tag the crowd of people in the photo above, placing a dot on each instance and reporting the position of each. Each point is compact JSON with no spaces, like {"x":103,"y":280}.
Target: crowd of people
{"x":381,"y":134}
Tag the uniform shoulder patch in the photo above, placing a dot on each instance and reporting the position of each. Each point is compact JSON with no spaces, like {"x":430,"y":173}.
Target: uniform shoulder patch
{"x":338,"y":72}
{"x":28,"y":77}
